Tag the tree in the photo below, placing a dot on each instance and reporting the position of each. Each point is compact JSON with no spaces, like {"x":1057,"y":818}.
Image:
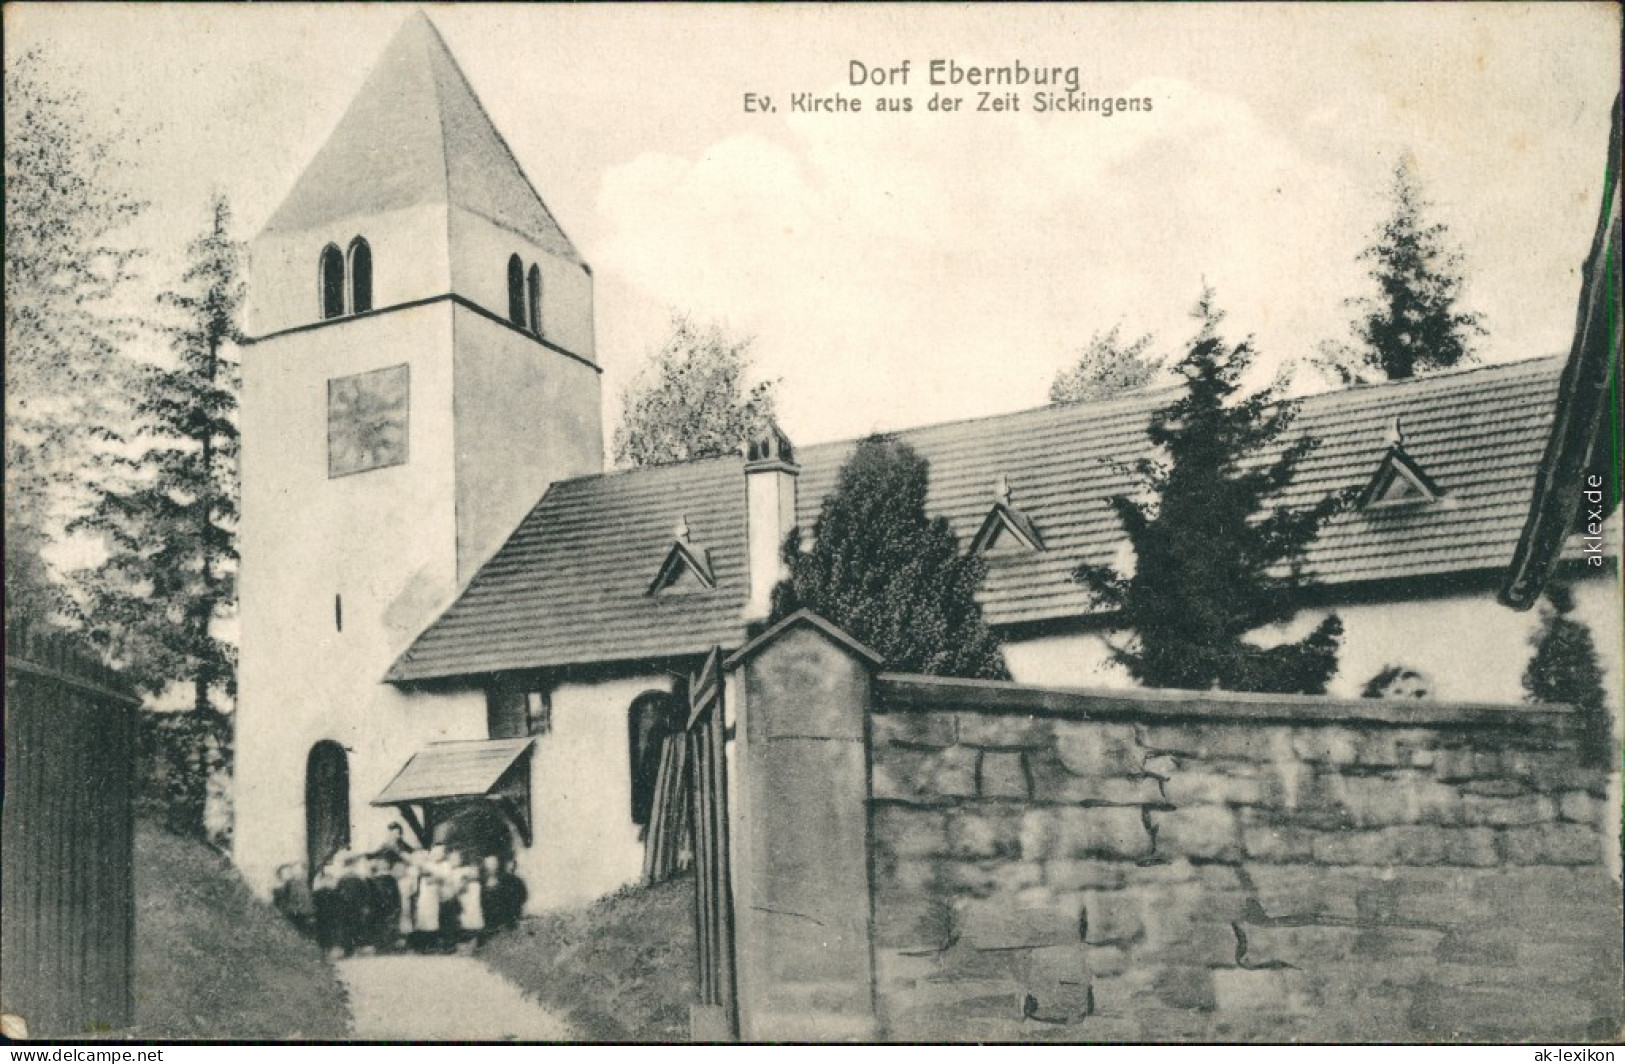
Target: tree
{"x":65,"y":270}
{"x":890,"y":575}
{"x":1105,"y":368}
{"x":690,"y":400}
{"x":1565,"y":668}
{"x":1206,"y":551}
{"x":166,"y":508}
{"x":1414,"y":324}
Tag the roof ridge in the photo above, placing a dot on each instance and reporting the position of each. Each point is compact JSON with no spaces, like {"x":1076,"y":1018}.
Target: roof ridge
{"x":686,"y":463}
{"x":1124,"y":402}
{"x":1121,"y":403}
{"x":418,"y":14}
{"x":1525,"y":363}
{"x":1114,"y":405}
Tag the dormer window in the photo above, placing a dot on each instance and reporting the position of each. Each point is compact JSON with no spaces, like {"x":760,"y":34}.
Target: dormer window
{"x":686,"y":567}
{"x":332,"y":282}
{"x":1006,"y":528}
{"x":1399,"y":480}
{"x":360,"y":276}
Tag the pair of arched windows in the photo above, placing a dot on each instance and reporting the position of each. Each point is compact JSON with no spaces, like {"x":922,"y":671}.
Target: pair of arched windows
{"x":346,"y":279}
{"x":525,"y":295}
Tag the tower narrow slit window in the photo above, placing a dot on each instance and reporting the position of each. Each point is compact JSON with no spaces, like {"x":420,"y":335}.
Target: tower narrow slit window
{"x":332,"y":282}
{"x":516,"y":291}
{"x":360,"y":276}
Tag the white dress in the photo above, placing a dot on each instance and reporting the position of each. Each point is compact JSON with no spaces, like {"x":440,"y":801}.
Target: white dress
{"x":427,"y":909}
{"x":472,"y":916}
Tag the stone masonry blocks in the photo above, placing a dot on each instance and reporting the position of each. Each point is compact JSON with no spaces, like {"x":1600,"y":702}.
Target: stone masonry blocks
{"x":1414,"y":845}
{"x":906,"y":831}
{"x":1099,"y":750}
{"x":1003,"y":774}
{"x":1550,"y":844}
{"x":1004,"y":731}
{"x":926,"y":776}
{"x":915,"y":728}
{"x":978,"y":831}
{"x":1206,"y":832}
{"x":1118,"y":833}
{"x":1053,"y":876}
{"x":1053,"y":781}
{"x":996,"y":924}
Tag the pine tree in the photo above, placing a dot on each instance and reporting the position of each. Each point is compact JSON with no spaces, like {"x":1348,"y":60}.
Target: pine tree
{"x":1206,"y":552}
{"x":888,"y":574}
{"x":166,"y":508}
{"x":1414,"y":323}
{"x":66,"y":268}
{"x":1565,"y":668}
{"x":1106,"y":367}
{"x":690,"y":401}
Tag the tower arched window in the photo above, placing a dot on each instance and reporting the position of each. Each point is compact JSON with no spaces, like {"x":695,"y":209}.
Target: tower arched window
{"x":332,"y":282}
{"x":360,"y":276}
{"x":533,"y":296}
{"x":516,"y":291}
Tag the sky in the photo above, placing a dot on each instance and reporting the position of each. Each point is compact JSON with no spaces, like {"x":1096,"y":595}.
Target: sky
{"x":901,"y":269}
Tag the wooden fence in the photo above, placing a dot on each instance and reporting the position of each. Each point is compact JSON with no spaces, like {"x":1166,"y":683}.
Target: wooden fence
{"x":67,"y":904}
{"x":689,"y":827}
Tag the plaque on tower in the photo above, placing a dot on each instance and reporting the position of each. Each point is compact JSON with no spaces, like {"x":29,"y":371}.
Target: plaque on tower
{"x":366,"y":420}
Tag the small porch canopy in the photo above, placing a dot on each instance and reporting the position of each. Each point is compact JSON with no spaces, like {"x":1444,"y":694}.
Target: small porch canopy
{"x":442,"y":776}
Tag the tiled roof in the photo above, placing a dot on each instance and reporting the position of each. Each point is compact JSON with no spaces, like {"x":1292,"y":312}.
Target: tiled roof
{"x":416,"y":134}
{"x":569,"y":587}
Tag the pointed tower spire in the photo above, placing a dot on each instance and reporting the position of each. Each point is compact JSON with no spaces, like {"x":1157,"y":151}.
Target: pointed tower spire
{"x":414,"y":135}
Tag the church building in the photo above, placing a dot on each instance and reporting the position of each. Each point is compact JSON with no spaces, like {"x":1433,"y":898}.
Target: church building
{"x":445,"y":597}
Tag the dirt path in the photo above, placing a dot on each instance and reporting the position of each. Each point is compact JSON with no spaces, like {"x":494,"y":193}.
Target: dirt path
{"x":407,"y":997}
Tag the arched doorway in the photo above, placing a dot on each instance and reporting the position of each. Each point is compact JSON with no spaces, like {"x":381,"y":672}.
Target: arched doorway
{"x":327,"y":804}
{"x":649,"y":720}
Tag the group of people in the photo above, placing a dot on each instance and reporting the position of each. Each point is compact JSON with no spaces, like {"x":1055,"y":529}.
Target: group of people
{"x":404,"y":896}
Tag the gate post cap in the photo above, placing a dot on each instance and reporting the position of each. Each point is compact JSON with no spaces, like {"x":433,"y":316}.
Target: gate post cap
{"x":797,"y":620}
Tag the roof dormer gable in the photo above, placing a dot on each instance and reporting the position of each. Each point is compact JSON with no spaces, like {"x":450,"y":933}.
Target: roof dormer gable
{"x":1005,"y":527}
{"x":686,"y":566}
{"x":1399,"y":479}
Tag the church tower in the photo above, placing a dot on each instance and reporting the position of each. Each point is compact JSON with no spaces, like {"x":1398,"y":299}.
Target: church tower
{"x":422,"y":368}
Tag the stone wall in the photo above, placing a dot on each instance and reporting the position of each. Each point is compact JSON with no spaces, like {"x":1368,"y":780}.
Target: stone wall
{"x":1164,"y":866}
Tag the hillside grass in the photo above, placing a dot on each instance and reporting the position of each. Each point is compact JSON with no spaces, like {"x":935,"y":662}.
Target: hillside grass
{"x":620,"y":969}
{"x":214,"y":962}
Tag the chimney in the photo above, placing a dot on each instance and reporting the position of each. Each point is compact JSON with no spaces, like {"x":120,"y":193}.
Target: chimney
{"x":770,"y":513}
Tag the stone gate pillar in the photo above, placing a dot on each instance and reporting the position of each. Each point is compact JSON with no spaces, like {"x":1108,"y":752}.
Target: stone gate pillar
{"x":799,"y":695}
